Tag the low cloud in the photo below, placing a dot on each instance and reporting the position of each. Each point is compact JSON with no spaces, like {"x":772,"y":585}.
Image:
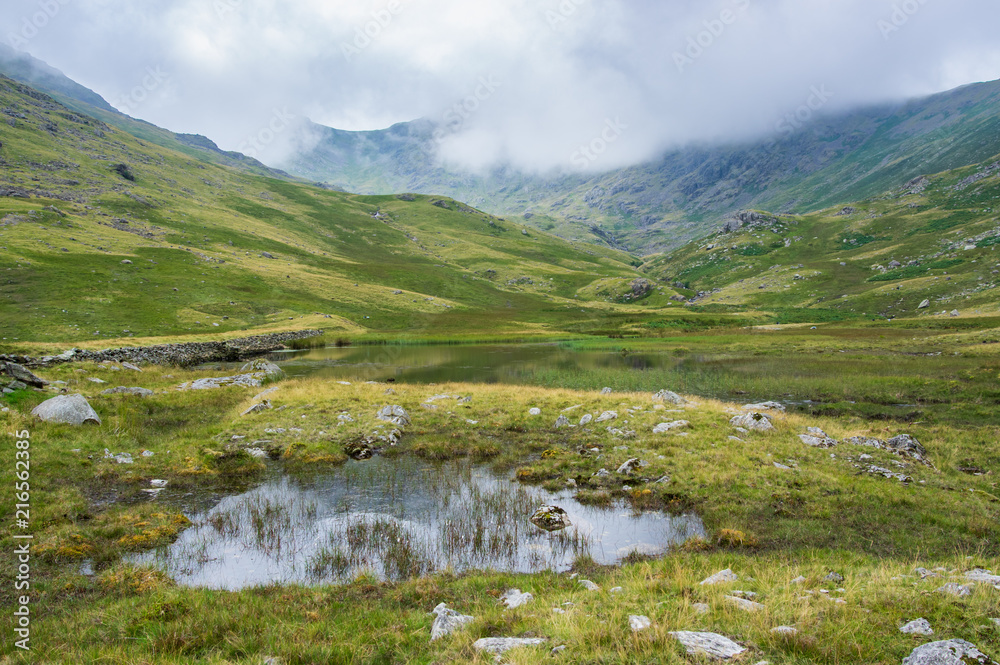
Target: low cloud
{"x":558,"y":72}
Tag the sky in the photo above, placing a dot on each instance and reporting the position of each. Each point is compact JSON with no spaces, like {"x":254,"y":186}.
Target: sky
{"x":539,"y":84}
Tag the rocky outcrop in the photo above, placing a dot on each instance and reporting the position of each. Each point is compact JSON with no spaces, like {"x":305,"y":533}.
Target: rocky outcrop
{"x":21,"y":373}
{"x":190,"y":353}
{"x":950,"y":652}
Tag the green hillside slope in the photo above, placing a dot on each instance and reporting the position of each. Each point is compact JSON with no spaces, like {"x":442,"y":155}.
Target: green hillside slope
{"x":103,"y":235}
{"x":927,"y":249}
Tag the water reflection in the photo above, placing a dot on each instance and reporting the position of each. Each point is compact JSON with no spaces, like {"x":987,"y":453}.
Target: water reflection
{"x":398,"y":519}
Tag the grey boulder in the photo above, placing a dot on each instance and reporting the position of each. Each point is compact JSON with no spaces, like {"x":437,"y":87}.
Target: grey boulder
{"x":950,"y":652}
{"x":755,"y":422}
{"x":551,"y":518}
{"x":135,"y":392}
{"x":447,"y":621}
{"x":708,"y":644}
{"x":394,"y":414}
{"x":501,"y":645}
{"x":67,"y":409}
{"x":21,"y":373}
{"x":669,"y":397}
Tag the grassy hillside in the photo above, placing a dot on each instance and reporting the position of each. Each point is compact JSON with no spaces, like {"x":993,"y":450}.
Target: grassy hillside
{"x":933,"y":240}
{"x":104,"y":235}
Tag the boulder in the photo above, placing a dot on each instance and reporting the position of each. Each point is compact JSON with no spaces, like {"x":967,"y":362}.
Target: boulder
{"x":135,"y":392}
{"x":534,"y":412}
{"x":498,"y":646}
{"x":589,"y":586}
{"x":744,"y":604}
{"x":606,"y":391}
{"x":925,"y":304}
{"x":641,"y":287}
{"x":258,"y":408}
{"x":394,"y":414}
{"x":907,"y":446}
{"x":21,"y":373}
{"x":958,"y":590}
{"x":550,"y":518}
{"x":950,"y":652}
{"x":606,"y":416}
{"x":261,"y":366}
{"x":755,"y":422}
{"x":447,"y":621}
{"x":708,"y":644}
{"x":67,"y":409}
{"x":669,"y":397}
{"x":586,"y":419}
{"x":562,"y":421}
{"x":984,"y":576}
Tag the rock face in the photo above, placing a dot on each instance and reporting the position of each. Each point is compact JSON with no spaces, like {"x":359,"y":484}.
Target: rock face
{"x":550,"y":518}
{"x":135,"y":392}
{"x":641,"y":287}
{"x":67,"y":409}
{"x":708,"y":644}
{"x":447,"y":621}
{"x":21,"y":373}
{"x":669,"y":397}
{"x":501,"y":645}
{"x":755,"y":422}
{"x":950,"y":652}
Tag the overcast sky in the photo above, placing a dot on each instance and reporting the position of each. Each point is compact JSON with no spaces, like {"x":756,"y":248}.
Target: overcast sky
{"x":534,"y":80}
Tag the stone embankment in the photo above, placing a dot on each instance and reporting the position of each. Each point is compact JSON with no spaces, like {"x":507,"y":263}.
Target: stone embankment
{"x":184,"y":354}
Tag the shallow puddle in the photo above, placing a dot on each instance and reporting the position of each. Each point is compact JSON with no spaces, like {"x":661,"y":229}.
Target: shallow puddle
{"x":395,"y":519}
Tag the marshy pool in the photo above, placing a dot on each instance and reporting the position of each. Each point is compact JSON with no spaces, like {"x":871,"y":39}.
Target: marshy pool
{"x":396,"y":519}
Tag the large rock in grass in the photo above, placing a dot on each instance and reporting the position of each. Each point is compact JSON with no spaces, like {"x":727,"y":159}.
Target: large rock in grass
{"x":755,"y":422}
{"x":396,"y":415}
{"x":950,"y":652}
{"x":501,"y":645}
{"x":711,"y":645}
{"x":21,"y":373}
{"x":68,"y":410}
{"x":447,"y":621}
{"x":265,"y":367}
{"x":669,"y":397}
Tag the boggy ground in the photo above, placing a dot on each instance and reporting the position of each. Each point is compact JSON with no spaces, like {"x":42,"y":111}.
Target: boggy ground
{"x":770,"y":525}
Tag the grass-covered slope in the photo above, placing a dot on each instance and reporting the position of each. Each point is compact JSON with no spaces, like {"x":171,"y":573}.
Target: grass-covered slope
{"x":934,"y":240}
{"x":103,"y":235}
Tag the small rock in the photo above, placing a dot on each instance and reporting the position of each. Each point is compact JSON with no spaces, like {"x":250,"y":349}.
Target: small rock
{"x":631,"y":466}
{"x":708,"y":644}
{"x":669,"y":397}
{"x":558,"y":650}
{"x":722,"y":577}
{"x":501,"y":645}
{"x":765,"y":406}
{"x":447,"y":621}
{"x":616,"y":590}
{"x":513,"y":598}
{"x":958,"y":590}
{"x":551,"y":518}
{"x":789,"y":631}
{"x":606,"y":416}
{"x":984,"y":576}
{"x":606,"y":391}
{"x":701,"y":608}
{"x":258,"y":408}
{"x":394,"y":414}
{"x":744,"y":604}
{"x":586,"y":419}
{"x":663,"y":428}
{"x":561,"y":422}
{"x":535,"y":412}
{"x":96,"y":380}
{"x":917,"y":627}
{"x":136,"y":392}
{"x":589,"y":586}
{"x":836,"y":578}
{"x":158,"y":483}
{"x":639,"y":623}
{"x":755,"y":421}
